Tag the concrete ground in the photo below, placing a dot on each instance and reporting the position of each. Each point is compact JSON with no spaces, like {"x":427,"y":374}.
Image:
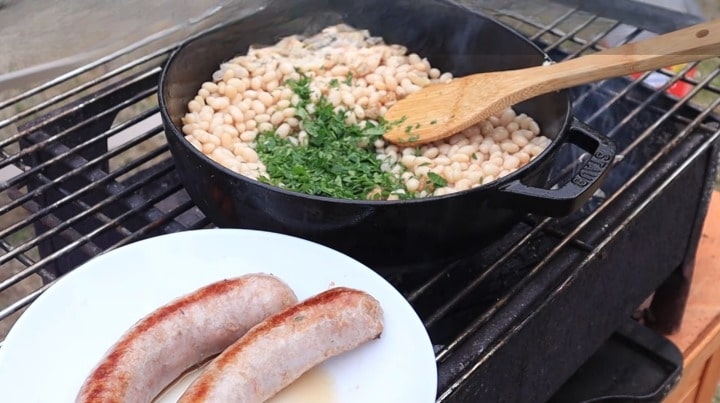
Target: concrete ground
{"x":50,"y":36}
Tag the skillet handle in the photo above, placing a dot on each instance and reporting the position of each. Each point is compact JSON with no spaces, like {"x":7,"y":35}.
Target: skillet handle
{"x":573,"y":194}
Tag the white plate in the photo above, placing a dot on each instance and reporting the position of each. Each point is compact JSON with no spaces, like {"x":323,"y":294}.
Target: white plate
{"x":60,"y":338}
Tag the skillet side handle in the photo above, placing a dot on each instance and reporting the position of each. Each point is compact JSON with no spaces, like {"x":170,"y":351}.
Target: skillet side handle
{"x":573,"y":194}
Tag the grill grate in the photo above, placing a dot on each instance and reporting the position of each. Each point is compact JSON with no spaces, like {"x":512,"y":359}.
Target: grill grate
{"x":84,"y":169}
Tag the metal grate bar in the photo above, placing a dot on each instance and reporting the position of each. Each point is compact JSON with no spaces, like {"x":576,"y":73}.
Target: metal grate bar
{"x":65,"y":224}
{"x":160,"y":222}
{"x":465,"y":292}
{"x":53,"y":101}
{"x":74,"y":197}
{"x":466,"y":374}
{"x":571,"y":34}
{"x":66,"y":113}
{"x":671,"y":112}
{"x":103,"y":136}
{"x":25,"y":260}
{"x":23,"y":302}
{"x":427,"y":285}
{"x":550,"y":27}
{"x":476,"y":324}
{"x":594,"y":43}
{"x":636,"y":111}
{"x":578,"y":229}
{"x":50,"y":221}
{"x":84,"y":239}
{"x":457,"y":298}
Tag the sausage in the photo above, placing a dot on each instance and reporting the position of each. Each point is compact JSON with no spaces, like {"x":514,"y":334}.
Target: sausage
{"x":161,"y":346}
{"x":277,"y":351}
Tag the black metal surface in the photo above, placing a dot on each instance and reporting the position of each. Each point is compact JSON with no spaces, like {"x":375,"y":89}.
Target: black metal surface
{"x":653,"y":18}
{"x":510,"y":322}
{"x":634,"y":364}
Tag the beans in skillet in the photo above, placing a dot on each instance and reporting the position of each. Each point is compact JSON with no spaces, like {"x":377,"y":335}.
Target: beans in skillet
{"x":306,"y":113}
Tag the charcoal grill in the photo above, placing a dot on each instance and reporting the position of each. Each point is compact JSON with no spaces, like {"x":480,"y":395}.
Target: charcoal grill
{"x":566,"y":309}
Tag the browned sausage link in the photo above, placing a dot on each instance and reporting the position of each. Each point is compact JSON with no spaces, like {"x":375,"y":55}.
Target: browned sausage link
{"x":280,"y":349}
{"x":158,"y":348}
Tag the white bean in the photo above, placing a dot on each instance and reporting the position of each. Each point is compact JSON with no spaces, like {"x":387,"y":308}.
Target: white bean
{"x":519,"y":139}
{"x":460,"y":157}
{"x":508,"y":115}
{"x":500,"y":134}
{"x":264,"y":127}
{"x":249,"y":96}
{"x":534,"y":128}
{"x":258,"y":107}
{"x":509,"y":147}
{"x":249,"y":155}
{"x":511,"y":163}
{"x":208,"y":148}
{"x":463,"y":184}
{"x":283,"y":130}
{"x":277,"y":118}
{"x":490,"y":169}
{"x":412,"y":185}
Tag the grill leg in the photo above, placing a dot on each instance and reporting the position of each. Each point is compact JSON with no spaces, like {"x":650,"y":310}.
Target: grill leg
{"x":668,"y":305}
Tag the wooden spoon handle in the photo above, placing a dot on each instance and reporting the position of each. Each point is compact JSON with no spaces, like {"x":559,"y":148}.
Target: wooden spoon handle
{"x":695,"y":43}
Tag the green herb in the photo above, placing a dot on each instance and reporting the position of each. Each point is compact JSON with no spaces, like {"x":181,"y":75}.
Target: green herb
{"x":299,"y":318}
{"x":417,"y":126}
{"x":425,"y":164}
{"x":301,"y":87}
{"x":348,"y":80}
{"x":338,"y":160}
{"x":474,"y":156}
{"x":412,"y":138}
{"x":334,"y":83}
{"x":408,"y":128}
{"x":432,"y":122}
{"x":436,"y":179}
{"x":390,"y":125}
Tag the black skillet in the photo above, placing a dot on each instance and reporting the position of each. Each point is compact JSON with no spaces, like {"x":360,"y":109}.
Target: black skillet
{"x":383,"y":234}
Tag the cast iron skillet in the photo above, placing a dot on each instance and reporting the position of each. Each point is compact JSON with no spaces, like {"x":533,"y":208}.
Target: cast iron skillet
{"x":382,"y":234}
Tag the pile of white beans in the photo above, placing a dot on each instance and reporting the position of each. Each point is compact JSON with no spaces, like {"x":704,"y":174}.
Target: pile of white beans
{"x":363,"y":76}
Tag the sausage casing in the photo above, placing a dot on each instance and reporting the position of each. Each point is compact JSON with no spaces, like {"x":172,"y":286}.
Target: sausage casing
{"x":165,"y":343}
{"x":277,"y":351}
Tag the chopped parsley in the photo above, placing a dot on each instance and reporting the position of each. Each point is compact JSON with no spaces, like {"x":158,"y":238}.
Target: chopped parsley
{"x":334,"y":83}
{"x":339,"y":159}
{"x":436,"y":179}
{"x":348,"y":80}
{"x":432,"y":122}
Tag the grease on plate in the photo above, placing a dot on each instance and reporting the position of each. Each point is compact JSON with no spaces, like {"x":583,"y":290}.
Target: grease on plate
{"x":314,"y":386}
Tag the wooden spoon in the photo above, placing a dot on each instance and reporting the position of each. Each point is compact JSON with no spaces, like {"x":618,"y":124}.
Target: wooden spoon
{"x":442,"y":110}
